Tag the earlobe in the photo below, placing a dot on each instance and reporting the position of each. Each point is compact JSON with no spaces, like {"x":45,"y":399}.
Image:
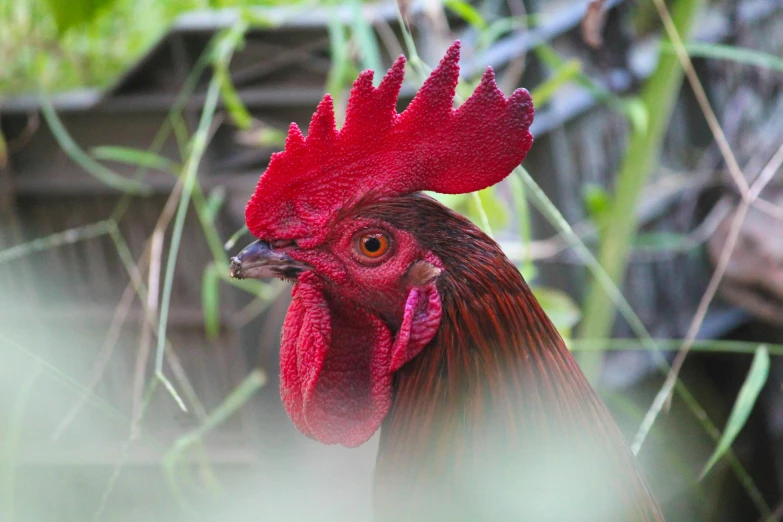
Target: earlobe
{"x":422,"y":273}
{"x":420,"y":323}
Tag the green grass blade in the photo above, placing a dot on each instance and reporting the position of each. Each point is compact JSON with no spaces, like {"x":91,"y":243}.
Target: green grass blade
{"x":236,"y":236}
{"x":501,"y":26}
{"x":632,"y":108}
{"x":210,"y":300}
{"x":564,"y":73}
{"x":138,"y":157}
{"x":369,"y":52}
{"x":743,"y":405}
{"x":640,"y":160}
{"x":92,"y":167}
{"x":522,"y":211}
{"x":338,"y":49}
{"x":235,"y":400}
{"x":731,"y":53}
{"x":467,"y":12}
{"x":482,"y":213}
{"x":190,"y":175}
{"x":66,"y":237}
{"x":227,"y":42}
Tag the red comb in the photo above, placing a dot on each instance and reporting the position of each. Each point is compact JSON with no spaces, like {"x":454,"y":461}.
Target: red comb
{"x":429,"y":146}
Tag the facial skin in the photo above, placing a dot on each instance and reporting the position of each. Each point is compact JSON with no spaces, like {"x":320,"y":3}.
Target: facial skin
{"x":377,"y":282}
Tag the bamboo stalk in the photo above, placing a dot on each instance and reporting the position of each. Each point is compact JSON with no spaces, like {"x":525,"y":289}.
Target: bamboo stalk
{"x":641,"y":159}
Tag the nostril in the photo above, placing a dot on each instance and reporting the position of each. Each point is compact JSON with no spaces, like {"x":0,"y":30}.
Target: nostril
{"x":281,"y":244}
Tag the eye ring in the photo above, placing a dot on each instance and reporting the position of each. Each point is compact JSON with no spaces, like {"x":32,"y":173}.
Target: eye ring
{"x":372,"y":245}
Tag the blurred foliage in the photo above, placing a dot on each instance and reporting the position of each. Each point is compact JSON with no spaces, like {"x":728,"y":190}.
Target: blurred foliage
{"x":56,"y":45}
{"x":70,"y":14}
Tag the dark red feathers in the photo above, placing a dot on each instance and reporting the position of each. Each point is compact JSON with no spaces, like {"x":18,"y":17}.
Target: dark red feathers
{"x":494,"y":420}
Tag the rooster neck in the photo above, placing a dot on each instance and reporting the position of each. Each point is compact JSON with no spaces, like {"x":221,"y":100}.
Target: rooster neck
{"x":496,"y":368}
{"x":496,"y":394}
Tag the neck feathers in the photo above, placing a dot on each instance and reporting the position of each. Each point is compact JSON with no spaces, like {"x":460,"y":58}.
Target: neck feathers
{"x":494,"y":416}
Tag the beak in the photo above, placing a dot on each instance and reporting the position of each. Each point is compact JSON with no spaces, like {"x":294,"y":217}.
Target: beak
{"x":259,"y":261}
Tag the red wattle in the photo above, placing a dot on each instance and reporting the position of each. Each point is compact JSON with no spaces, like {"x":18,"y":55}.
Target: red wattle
{"x":337,"y":361}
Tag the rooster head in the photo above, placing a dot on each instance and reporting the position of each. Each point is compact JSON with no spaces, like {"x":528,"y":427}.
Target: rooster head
{"x":365,"y":298}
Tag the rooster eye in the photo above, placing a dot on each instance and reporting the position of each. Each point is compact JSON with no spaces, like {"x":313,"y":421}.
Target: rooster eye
{"x":373,"y":245}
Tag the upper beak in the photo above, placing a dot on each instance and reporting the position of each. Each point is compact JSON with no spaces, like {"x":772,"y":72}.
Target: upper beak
{"x":259,"y":260}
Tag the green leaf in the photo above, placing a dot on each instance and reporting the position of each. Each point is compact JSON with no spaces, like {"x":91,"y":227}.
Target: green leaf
{"x":597,"y":201}
{"x":564,"y":73}
{"x":746,"y":399}
{"x":210,"y":300}
{"x":236,"y":109}
{"x":495,"y":208}
{"x":137,"y":157}
{"x":560,"y":308}
{"x":70,"y":13}
{"x":84,"y":160}
{"x":453,"y":201}
{"x":271,"y":137}
{"x":467,"y":12}
{"x":492,"y":212}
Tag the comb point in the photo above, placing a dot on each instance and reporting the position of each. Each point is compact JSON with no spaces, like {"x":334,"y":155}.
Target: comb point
{"x":435,"y":99}
{"x":392,"y":81}
{"x":295,"y":139}
{"x":364,"y":80}
{"x":322,"y":126}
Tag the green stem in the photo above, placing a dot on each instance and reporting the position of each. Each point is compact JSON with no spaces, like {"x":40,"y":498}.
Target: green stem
{"x":641,"y":158}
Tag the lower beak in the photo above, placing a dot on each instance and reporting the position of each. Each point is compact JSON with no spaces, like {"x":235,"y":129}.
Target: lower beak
{"x":260,"y":261}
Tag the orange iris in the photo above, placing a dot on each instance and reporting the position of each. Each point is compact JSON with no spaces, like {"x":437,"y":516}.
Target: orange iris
{"x":374,"y":245}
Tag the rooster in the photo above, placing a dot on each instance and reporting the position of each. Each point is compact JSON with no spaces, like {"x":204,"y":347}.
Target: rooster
{"x":407,"y":318}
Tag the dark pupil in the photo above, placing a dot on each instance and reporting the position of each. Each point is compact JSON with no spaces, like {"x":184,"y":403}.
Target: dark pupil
{"x":372,"y":244}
